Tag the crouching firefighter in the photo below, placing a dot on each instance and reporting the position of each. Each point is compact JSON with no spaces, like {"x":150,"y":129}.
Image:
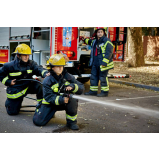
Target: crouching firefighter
{"x":21,"y":68}
{"x":52,"y":99}
{"x":101,"y":61}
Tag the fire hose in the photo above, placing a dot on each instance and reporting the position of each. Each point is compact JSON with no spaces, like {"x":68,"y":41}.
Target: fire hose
{"x":65,"y":94}
{"x":148,"y":112}
{"x":28,"y":80}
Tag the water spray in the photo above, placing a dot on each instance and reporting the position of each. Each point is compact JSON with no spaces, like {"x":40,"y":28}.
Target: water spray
{"x":138,"y":109}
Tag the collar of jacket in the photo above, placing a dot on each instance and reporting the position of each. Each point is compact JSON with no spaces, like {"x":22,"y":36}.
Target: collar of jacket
{"x":21,"y":63}
{"x":101,"y":39}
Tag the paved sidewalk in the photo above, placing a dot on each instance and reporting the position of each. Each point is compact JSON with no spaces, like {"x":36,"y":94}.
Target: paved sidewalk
{"x":135,"y":84}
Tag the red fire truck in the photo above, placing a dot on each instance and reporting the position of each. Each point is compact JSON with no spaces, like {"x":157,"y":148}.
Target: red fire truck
{"x":3,"y":56}
{"x":45,"y":41}
{"x":67,"y":40}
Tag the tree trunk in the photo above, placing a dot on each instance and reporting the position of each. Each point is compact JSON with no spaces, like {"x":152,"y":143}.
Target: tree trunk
{"x":135,"y":47}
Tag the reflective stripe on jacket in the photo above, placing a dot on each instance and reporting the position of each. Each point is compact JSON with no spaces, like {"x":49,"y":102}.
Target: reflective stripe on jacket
{"x":52,"y":83}
{"x":17,"y":70}
{"x":105,"y":54}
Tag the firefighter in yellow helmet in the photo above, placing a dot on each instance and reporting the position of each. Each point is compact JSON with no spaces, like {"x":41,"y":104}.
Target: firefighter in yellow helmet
{"x":58,"y":81}
{"x":21,"y":68}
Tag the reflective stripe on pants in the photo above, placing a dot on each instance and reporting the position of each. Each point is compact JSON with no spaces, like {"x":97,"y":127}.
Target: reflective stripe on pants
{"x":96,"y":75}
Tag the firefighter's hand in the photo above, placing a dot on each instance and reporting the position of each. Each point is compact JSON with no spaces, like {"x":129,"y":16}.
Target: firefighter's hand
{"x":48,"y":74}
{"x":13,"y":82}
{"x":69,"y":88}
{"x":66,"y":99}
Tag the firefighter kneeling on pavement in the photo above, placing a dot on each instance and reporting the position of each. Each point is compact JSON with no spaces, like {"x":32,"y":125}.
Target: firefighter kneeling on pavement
{"x":52,"y":99}
{"x":21,"y":68}
{"x":101,"y":61}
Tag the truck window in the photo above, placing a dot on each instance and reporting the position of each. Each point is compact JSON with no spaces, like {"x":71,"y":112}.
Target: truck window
{"x":42,"y":33}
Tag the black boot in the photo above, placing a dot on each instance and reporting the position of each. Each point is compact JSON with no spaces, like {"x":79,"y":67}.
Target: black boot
{"x":90,"y":93}
{"x":102,"y":94}
{"x":73,"y":126}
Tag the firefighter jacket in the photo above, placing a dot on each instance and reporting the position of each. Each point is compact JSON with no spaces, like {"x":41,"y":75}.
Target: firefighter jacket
{"x":104,"y":52}
{"x":18,"y":69}
{"x":53,"y":83}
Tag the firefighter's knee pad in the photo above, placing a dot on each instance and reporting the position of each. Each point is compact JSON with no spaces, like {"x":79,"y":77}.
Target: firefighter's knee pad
{"x":38,"y":121}
{"x":43,"y":115}
{"x":103,"y":80}
{"x":12,"y":108}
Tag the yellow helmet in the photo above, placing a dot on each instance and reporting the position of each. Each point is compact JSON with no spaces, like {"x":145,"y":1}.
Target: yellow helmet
{"x":23,"y":49}
{"x":56,"y":60}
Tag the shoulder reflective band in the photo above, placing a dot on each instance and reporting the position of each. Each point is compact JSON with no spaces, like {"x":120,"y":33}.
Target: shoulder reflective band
{"x":76,"y":88}
{"x":73,"y":118}
{"x":107,"y":43}
{"x":15,"y":74}
{"x":105,"y":60}
{"x":55,"y":86}
{"x":94,"y":88}
{"x":104,"y":47}
{"x":86,"y":41}
{"x":19,"y":94}
{"x":5,"y":79}
{"x":29,"y":71}
{"x":44,"y":101}
{"x":43,"y":72}
{"x":56,"y":101}
{"x":67,"y":83}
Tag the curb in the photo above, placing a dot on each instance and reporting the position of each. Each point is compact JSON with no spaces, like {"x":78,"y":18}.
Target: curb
{"x":135,"y":85}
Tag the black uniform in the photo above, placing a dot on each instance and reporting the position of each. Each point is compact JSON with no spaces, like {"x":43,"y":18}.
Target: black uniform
{"x":53,"y":101}
{"x":101,"y":54}
{"x":18,"y":69}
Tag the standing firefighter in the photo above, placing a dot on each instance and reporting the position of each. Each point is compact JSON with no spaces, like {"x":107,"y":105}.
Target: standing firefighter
{"x":21,"y":68}
{"x":101,"y":61}
{"x":52,"y":99}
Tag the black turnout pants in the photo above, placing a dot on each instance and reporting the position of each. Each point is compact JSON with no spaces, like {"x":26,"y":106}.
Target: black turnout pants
{"x":13,"y":105}
{"x":43,"y":115}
